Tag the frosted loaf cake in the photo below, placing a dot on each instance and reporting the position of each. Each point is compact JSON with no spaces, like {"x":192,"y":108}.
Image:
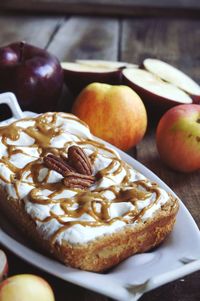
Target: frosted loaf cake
{"x":75,"y":197}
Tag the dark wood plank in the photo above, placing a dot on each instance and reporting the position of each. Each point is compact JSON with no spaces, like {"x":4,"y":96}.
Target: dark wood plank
{"x":102,"y":7}
{"x":175,"y":41}
{"x":86,"y":38}
{"x":37,"y":30}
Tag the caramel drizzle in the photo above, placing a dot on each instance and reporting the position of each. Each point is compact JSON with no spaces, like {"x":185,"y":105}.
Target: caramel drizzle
{"x":87,"y":202}
{"x":92,"y":203}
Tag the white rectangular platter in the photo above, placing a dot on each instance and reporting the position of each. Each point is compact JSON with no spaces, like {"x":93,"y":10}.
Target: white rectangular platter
{"x":178,"y":256}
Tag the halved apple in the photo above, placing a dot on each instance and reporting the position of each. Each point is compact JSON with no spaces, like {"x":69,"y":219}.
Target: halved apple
{"x":3,"y":266}
{"x":157,"y":94}
{"x":107,"y":64}
{"x":172,"y":75}
{"x":78,"y":75}
{"x":83,"y":72}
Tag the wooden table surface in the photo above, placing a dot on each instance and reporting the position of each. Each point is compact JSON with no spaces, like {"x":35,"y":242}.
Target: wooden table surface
{"x":107,"y":7}
{"x":128,"y":39}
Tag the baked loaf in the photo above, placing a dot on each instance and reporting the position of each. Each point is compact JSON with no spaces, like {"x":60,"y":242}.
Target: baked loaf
{"x":75,"y":197}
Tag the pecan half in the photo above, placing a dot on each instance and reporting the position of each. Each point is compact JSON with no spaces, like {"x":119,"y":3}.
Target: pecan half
{"x":57,"y":164}
{"x":79,"y":160}
{"x":77,"y":180}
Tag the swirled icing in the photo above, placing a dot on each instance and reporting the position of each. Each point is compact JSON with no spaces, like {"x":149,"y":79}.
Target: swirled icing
{"x":120,"y":196}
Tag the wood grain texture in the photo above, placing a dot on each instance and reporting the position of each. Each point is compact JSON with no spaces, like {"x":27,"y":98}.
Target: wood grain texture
{"x":175,"y":41}
{"x":86,"y":38}
{"x":32,"y":29}
{"x":112,"y":8}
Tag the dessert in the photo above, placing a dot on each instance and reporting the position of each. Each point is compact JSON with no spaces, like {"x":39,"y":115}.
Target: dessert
{"x":75,"y":197}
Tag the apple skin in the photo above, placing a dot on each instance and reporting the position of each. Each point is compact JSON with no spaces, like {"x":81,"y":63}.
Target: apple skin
{"x":25,"y":287}
{"x":3,"y":266}
{"x":78,"y":80}
{"x":114,"y":113}
{"x":196,"y":99}
{"x":33,"y":74}
{"x":178,"y":138}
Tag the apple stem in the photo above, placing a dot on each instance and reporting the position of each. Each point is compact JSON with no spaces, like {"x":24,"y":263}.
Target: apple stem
{"x":21,"y":48}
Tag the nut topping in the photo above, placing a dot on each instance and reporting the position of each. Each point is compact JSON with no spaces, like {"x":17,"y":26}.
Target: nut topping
{"x":58,"y":164}
{"x":77,"y":180}
{"x":79,"y":160}
{"x":76,"y":170}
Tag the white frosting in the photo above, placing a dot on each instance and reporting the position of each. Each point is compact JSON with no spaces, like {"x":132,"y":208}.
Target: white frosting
{"x":24,"y":140}
{"x":70,"y":131}
{"x":21,"y":160}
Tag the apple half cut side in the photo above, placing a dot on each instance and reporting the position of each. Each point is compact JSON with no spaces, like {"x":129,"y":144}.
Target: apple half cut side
{"x":174,"y":76}
{"x":107,"y":64}
{"x":3,"y":266}
{"x":157,"y":95}
{"x":77,"y":76}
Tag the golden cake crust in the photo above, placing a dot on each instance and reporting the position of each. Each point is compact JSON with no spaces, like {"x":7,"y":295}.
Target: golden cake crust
{"x":103,"y":252}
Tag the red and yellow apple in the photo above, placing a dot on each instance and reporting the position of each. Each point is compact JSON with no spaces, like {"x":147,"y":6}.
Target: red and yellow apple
{"x":113,"y":113}
{"x":25,"y":287}
{"x":178,"y":138}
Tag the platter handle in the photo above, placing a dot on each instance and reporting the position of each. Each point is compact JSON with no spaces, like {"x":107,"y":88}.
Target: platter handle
{"x":11,"y":100}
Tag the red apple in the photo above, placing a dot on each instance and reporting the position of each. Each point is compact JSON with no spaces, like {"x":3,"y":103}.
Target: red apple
{"x":3,"y":265}
{"x":113,"y":113}
{"x":25,"y":287}
{"x":178,"y":138}
{"x":33,"y":74}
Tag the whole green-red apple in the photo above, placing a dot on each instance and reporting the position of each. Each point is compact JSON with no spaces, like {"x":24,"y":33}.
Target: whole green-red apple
{"x":25,"y":287}
{"x":178,"y":138}
{"x":113,"y":113}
